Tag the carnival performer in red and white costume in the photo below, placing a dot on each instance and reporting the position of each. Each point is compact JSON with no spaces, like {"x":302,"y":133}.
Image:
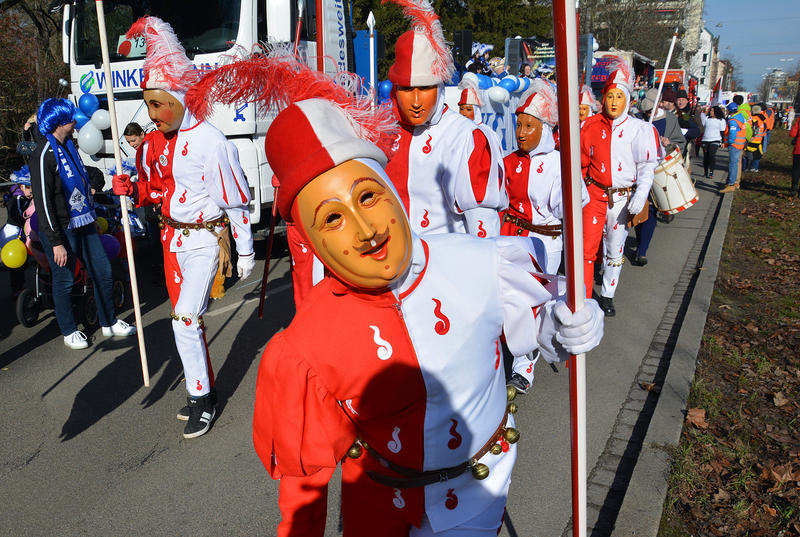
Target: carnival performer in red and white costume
{"x":588,"y":105}
{"x":447,"y":171}
{"x":193,"y":171}
{"x":618,"y":156}
{"x":393,"y":359}
{"x":469,"y":106}
{"x":533,"y":183}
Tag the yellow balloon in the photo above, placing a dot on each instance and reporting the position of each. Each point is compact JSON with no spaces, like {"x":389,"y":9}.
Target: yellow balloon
{"x":14,"y":254}
{"x":102,"y":223}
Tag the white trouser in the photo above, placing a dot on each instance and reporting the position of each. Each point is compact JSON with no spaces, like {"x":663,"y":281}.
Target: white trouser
{"x":198,"y":268}
{"x":615,"y":234}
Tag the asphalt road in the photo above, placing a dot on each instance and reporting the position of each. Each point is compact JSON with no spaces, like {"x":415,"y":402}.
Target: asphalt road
{"x":88,"y":450}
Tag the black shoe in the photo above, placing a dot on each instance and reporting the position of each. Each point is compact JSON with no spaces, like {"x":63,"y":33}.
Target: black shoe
{"x":201,"y":414}
{"x":183,"y":414}
{"x":639,"y":260}
{"x":520,"y":383}
{"x":607,"y":305}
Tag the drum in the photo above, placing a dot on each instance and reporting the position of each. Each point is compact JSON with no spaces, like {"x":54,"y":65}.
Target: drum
{"x":673,"y":190}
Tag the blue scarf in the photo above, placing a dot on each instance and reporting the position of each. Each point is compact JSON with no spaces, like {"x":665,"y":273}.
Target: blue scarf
{"x":75,"y":181}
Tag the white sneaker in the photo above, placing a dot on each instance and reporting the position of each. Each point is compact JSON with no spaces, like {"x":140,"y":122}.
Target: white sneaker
{"x":76,"y":340}
{"x":120,"y":328}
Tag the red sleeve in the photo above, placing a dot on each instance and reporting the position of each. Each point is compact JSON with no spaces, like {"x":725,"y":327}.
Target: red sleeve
{"x":795,"y":129}
{"x":303,"y":502}
{"x":480,"y":165}
{"x":585,"y":152}
{"x":146,"y":191}
{"x":298,"y":426}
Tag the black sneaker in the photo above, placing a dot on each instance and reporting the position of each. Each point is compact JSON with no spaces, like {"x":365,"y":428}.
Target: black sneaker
{"x":520,"y":383}
{"x":201,"y":414}
{"x":607,"y":305}
{"x":183,"y":414}
{"x":639,"y":260}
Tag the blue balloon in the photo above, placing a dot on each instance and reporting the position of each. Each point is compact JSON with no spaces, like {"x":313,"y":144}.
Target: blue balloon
{"x":88,"y":103}
{"x":524,"y":83}
{"x":484,"y":82}
{"x":80,"y":118}
{"x":384,"y":89}
{"x":508,"y":84}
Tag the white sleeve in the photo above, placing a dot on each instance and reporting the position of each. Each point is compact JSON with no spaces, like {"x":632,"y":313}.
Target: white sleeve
{"x":478,"y":176}
{"x":483,"y":222}
{"x":646,"y":152}
{"x":227,"y":186}
{"x":529,"y":297}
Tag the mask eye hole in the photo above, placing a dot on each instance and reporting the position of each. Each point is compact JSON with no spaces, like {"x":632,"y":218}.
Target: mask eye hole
{"x":333,"y":219}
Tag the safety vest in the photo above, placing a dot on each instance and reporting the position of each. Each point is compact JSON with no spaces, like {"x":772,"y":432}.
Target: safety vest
{"x":759,"y":128}
{"x":770,"y":114}
{"x":741,"y":135}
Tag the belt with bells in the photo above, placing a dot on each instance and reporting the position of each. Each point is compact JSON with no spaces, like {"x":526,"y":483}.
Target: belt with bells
{"x":416,"y":478}
{"x":548,"y":231}
{"x":610,"y":191}
{"x":209,"y":224}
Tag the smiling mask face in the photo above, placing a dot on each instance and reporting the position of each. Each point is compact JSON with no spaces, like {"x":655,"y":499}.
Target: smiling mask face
{"x":356,"y":225}
{"x":165,"y":110}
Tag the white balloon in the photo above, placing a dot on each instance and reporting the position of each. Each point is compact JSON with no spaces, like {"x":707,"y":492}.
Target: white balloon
{"x":90,"y":139}
{"x":101,"y":119}
{"x":498,"y":94}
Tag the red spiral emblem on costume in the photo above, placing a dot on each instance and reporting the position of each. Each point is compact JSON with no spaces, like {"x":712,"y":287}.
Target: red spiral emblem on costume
{"x":427,"y":149}
{"x":454,"y":442}
{"x":200,"y":219}
{"x":505,"y":446}
{"x":425,"y":222}
{"x":616,"y":225}
{"x":185,"y":149}
{"x":481,"y":230}
{"x":244,"y":217}
{"x":182,"y":199}
{"x":620,"y":132}
{"x":199,"y":386}
{"x":619,"y":168}
{"x":188,"y":322}
{"x":530,"y":368}
{"x":497,"y":353}
{"x":443,"y":326}
{"x":613,"y":283}
{"x":540,"y":169}
{"x":179,"y":242}
{"x":235,"y":235}
{"x":452,"y":500}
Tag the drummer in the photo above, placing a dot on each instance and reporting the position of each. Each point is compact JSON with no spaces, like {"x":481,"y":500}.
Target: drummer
{"x":669,"y":132}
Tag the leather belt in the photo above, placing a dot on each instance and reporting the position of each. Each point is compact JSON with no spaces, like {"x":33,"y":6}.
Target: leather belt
{"x":209,"y":224}
{"x":610,"y":191}
{"x":415,"y":478}
{"x":549,"y":231}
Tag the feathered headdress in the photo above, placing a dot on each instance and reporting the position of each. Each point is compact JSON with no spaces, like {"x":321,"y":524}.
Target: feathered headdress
{"x":422,"y":56}
{"x":621,"y":75}
{"x":22,"y":176}
{"x":323,"y":120}
{"x":588,"y":99}
{"x":470,"y":91}
{"x":166,"y":66}
{"x":540,"y":101}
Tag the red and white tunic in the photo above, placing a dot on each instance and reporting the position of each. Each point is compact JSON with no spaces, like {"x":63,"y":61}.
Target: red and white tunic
{"x":415,"y":372}
{"x":449,"y":175}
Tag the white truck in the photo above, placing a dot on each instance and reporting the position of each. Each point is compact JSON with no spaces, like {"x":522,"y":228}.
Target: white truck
{"x":208,"y":30}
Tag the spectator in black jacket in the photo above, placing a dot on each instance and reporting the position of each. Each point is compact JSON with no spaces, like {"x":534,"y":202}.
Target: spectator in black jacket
{"x":67,"y":231}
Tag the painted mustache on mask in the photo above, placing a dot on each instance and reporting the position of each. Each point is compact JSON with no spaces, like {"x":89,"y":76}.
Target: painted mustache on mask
{"x":374,"y":243}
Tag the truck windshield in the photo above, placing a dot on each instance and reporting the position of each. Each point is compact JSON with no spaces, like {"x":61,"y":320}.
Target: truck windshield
{"x":203,"y":26}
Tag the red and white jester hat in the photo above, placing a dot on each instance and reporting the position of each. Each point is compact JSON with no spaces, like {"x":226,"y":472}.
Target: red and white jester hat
{"x":540,"y":101}
{"x":323,"y":120}
{"x":469,"y":96}
{"x":587,"y":98}
{"x":621,"y":76}
{"x":166,"y":66}
{"x":422,"y":57}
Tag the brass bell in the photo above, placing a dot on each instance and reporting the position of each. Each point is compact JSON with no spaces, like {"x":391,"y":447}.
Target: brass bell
{"x":355,"y":451}
{"x":511,"y":392}
{"x":496,"y":449}
{"x":512,"y":408}
{"x":511,"y":435}
{"x":480,"y":471}
{"x":185,"y":232}
{"x":209,"y":226}
{"x":226,"y":219}
{"x":160,"y":224}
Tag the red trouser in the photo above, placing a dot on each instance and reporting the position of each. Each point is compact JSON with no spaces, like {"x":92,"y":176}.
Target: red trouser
{"x":594,"y":219}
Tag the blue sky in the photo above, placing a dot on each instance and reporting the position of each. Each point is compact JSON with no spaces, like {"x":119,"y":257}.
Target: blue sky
{"x":749,"y":27}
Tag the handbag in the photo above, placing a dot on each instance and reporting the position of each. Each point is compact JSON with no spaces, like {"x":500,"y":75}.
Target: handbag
{"x":26,"y":148}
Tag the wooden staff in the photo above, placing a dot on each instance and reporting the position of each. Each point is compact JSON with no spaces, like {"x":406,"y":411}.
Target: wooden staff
{"x":123,"y":200}
{"x":566,"y":39}
{"x":663,"y":75}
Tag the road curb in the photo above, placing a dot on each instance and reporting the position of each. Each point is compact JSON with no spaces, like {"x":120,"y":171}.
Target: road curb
{"x":628,"y":485}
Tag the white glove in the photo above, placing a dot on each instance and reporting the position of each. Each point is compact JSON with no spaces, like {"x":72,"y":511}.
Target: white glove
{"x":581,"y":331}
{"x":636,"y":204}
{"x":245,"y":265}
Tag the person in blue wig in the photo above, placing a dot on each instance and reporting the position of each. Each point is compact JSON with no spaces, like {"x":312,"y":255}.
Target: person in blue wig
{"x":63,"y":197}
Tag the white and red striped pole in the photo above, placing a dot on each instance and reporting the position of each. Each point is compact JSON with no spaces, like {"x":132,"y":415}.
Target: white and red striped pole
{"x":566,"y":44}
